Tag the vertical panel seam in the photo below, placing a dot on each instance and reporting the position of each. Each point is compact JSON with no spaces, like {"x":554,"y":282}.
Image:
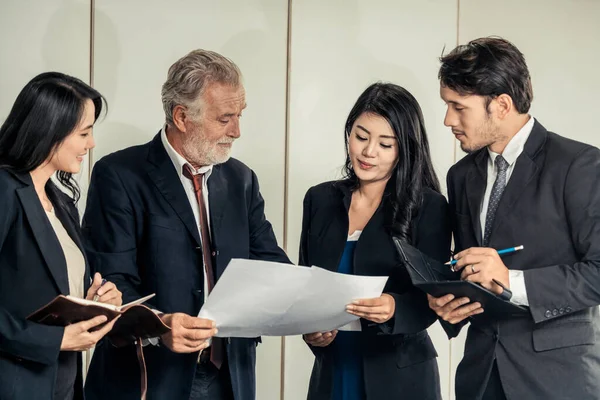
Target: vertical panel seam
{"x":91,"y":71}
{"x":450,"y":365}
{"x":286,"y":171}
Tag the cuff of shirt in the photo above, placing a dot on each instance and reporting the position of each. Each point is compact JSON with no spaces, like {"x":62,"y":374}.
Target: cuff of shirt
{"x":516,"y":280}
{"x":153,"y":341}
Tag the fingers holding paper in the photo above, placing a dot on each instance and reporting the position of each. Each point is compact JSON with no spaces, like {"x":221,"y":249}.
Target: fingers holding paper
{"x":380,"y":309}
{"x":482,"y":265}
{"x":320,"y":339}
{"x":188,"y":334}
{"x":453,"y":310}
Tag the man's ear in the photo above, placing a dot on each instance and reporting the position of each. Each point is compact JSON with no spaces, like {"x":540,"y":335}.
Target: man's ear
{"x":180,"y":117}
{"x":503,"y":105}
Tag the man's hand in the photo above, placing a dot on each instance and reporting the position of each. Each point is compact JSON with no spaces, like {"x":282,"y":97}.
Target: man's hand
{"x":482,"y":265}
{"x":453,"y":310}
{"x":188,"y":334}
{"x":380,"y":309}
{"x":319,"y":339}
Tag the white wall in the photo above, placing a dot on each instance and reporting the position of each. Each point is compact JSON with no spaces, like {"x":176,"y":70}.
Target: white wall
{"x":338,"y":47}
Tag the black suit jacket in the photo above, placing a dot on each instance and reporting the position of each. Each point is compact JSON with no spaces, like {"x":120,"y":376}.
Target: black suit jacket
{"x":398,"y":356}
{"x":551,"y":205}
{"x":33,"y":271}
{"x":140,"y":232}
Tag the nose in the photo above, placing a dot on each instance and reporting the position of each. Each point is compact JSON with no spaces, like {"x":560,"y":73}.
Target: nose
{"x":370,"y":149}
{"x":91,"y":142}
{"x":450,"y":118}
{"x":235,"y":129}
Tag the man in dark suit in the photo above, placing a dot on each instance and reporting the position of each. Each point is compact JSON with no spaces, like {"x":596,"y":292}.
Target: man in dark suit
{"x":166,"y":217}
{"x":521,"y":185}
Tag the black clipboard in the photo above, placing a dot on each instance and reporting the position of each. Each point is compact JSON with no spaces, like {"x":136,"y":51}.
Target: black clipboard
{"x":437,"y":279}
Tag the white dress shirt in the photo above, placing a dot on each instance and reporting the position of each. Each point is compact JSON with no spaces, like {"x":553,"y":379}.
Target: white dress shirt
{"x":511,"y":152}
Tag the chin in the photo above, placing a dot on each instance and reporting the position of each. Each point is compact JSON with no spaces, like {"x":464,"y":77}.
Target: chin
{"x":73,"y":169}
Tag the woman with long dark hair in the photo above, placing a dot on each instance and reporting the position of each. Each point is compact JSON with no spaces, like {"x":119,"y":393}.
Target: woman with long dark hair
{"x":389,"y":189}
{"x":47,"y":133}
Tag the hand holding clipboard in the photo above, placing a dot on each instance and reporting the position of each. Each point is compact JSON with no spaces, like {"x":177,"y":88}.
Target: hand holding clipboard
{"x":436,"y":279}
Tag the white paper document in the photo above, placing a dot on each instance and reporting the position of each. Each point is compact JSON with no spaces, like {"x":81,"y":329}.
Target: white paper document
{"x":261,"y":298}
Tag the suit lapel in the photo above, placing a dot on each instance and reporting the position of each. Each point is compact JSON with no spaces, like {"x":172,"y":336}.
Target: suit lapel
{"x":217,"y":199}
{"x":45,"y":237}
{"x":526,"y":169}
{"x":475,"y":189}
{"x":161,"y":171}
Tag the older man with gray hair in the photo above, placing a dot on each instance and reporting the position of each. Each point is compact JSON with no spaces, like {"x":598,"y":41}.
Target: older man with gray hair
{"x":166,"y":217}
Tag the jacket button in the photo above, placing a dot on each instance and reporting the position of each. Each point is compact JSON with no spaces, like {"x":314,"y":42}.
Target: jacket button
{"x":548,"y":314}
{"x":495,"y":336}
{"x":568,"y":309}
{"x":554,"y":312}
{"x":561,"y":311}
{"x":214,"y":253}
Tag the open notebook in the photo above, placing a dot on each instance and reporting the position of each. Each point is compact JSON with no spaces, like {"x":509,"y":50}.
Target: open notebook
{"x":137,"y":321}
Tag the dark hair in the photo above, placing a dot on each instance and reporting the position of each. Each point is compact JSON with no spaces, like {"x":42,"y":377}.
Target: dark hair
{"x":46,"y":111}
{"x":488,"y":67}
{"x":413,"y":171}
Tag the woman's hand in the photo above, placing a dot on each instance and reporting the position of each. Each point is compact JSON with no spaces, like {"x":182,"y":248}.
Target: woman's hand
{"x":380,"y":309}
{"x":77,"y":337}
{"x":108,"y":293}
{"x":320,"y":339}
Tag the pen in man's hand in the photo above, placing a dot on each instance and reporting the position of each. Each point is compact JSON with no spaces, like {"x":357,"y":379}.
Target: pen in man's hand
{"x":96,"y":296}
{"x":452,"y":262}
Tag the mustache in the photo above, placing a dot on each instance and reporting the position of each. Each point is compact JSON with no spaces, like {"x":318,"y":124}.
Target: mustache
{"x":227,"y":141}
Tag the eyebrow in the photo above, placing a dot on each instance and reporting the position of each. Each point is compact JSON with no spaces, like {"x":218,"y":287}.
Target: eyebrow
{"x":233,"y":114}
{"x":454,"y":102}
{"x":382,"y":136}
{"x":88,"y":127}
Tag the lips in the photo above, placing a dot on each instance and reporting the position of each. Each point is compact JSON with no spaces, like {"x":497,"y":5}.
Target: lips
{"x":364,"y":165}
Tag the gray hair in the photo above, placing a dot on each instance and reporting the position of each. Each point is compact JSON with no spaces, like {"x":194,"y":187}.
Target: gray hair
{"x":190,"y":75}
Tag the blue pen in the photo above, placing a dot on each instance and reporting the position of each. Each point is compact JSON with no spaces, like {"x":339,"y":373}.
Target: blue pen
{"x":500,"y":252}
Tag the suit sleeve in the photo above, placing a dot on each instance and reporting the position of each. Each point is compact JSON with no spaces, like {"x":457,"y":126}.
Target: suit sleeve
{"x":577,"y":286}
{"x":20,"y":338}
{"x":263,"y":244}
{"x":109,"y":231}
{"x":433,"y":237}
{"x":303,"y":257}
{"x":452,"y":330}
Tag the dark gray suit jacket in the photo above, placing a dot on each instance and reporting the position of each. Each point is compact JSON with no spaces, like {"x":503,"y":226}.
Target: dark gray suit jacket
{"x":551,"y":205}
{"x":141,"y":233}
{"x":399,"y":359}
{"x":33,"y":270}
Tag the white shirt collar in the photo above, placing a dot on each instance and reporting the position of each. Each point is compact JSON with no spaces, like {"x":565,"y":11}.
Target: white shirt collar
{"x":514,"y":148}
{"x":177,"y":159}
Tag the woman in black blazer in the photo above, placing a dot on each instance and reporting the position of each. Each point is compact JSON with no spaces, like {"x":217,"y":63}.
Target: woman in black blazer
{"x":389,"y":189}
{"x":48,"y":131}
